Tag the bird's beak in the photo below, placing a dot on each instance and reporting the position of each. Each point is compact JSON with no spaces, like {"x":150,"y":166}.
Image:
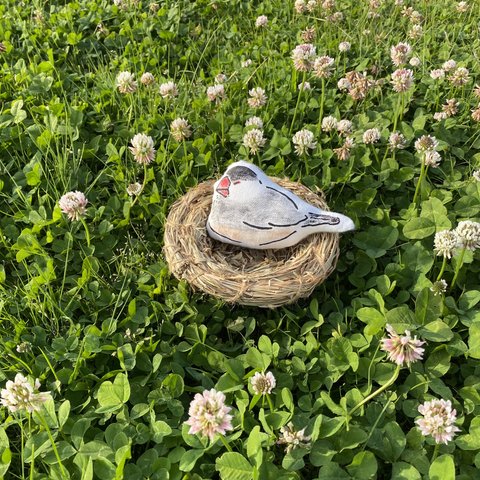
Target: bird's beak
{"x":223,"y":187}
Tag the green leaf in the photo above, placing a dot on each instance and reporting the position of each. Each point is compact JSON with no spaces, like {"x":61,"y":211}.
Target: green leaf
{"x":437,"y":331}
{"x":363,"y":466}
{"x":435,"y":210}
{"x":394,"y":440}
{"x":257,"y":360}
{"x":254,"y":446}
{"x":443,"y":468}
{"x":5,"y":453}
{"x":428,"y":307}
{"x":418,"y":228}
{"x":470,"y":441}
{"x":405,"y":471}
{"x":376,"y":240}
{"x":160,"y":429}
{"x":189,"y":459}
{"x":112,"y":396}
{"x":373,"y":318}
{"x":63,"y":413}
{"x":233,"y":466}
{"x":474,"y":340}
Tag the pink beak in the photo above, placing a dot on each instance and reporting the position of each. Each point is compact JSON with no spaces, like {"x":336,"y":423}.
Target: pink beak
{"x":223,"y":187}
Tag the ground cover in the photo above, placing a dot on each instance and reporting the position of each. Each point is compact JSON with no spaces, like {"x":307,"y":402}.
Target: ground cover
{"x":110,"y":111}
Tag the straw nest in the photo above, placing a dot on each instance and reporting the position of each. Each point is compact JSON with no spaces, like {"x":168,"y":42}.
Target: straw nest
{"x":263,"y":278}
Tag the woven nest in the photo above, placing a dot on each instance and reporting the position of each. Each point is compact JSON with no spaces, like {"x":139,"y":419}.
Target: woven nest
{"x":263,"y":278}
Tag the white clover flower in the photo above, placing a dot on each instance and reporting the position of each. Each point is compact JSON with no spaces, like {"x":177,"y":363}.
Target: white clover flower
{"x":402,"y":80}
{"x":261,"y":21}
{"x":304,"y":140}
{"x":300,"y":6}
{"x":343,"y":153}
{"x":323,"y":66}
{"x":180,"y":129}
{"x":426,"y":143}
{"x":344,"y":127}
{"x":476,"y":175}
{"x":142,"y":148}
{"x":437,"y":74}
{"x":254,"y":140}
{"x":344,"y":46}
{"x":450,"y":108}
{"x":256,"y":122}
{"x":220,"y":78}
{"x":305,"y":86}
{"x":263,"y":383}
{"x":415,"y":62}
{"x":134,"y":189}
{"x":397,"y":141}
{"x":402,"y":349}
{"x":309,"y":34}
{"x":400,"y":53}
{"x":246,"y":63}
{"x":459,"y":77}
{"x":329,"y":123}
{"x":462,"y":7}
{"x":449,"y":65}
{"x":468,"y":235}
{"x":208,"y":414}
{"x":445,"y":242}
{"x":292,"y":438}
{"x":216,"y":93}
{"x":415,"y":32}
{"x":303,"y":57}
{"x":73,"y":204}
{"x":372,"y":135}
{"x":344,"y":84}
{"x":439,"y":116}
{"x":168,"y":90}
{"x":438,"y":420}
{"x":147,"y":79}
{"x":439,"y":287}
{"x":476,"y":113}
{"x":24,"y":347}
{"x":432,"y":159}
{"x":311,"y":5}
{"x":257,"y":97}
{"x":126,"y":83}
{"x":20,"y":395}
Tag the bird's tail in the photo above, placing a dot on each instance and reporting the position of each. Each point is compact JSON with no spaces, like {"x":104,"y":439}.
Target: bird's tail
{"x":329,"y":222}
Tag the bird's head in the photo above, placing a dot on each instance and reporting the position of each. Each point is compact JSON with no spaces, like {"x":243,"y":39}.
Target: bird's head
{"x":234,"y":176}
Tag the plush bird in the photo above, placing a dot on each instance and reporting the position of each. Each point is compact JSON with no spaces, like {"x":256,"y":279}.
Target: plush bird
{"x":251,"y":211}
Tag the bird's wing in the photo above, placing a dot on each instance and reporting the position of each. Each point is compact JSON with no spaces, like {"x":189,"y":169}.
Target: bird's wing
{"x":270,"y":208}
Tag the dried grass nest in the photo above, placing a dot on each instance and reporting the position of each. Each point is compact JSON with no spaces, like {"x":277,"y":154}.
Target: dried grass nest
{"x":262,"y":278}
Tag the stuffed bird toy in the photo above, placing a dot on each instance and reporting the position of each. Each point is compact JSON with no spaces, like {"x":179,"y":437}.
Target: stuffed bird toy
{"x":251,"y":211}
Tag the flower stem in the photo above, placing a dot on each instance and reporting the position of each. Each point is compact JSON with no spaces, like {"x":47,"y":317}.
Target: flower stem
{"x":444,"y":264}
{"x":224,"y":441}
{"x":270,"y":403}
{"x":52,"y":441}
{"x":420,"y":180}
{"x":322,"y":101}
{"x":376,"y":392}
{"x":298,"y":103}
{"x":435,"y":453}
{"x":458,"y":266}
{"x":87,"y":233}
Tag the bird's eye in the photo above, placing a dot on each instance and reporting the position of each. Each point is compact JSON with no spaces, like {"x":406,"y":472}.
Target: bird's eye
{"x":237,"y":182}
